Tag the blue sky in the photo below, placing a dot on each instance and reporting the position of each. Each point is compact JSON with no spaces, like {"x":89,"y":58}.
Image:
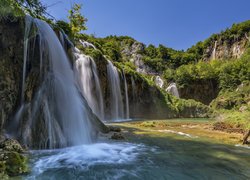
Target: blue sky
{"x":174,"y":23}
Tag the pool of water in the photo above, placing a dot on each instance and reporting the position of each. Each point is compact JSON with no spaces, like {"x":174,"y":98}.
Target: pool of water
{"x":178,"y":156}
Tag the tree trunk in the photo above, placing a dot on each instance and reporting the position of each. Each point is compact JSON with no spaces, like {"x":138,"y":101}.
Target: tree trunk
{"x":246,"y":135}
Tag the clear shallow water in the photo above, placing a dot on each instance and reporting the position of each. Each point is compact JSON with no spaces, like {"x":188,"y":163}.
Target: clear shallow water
{"x":182,"y":157}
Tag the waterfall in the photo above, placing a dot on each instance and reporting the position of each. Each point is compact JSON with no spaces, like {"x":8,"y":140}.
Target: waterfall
{"x":86,"y":44}
{"x":116,"y":102}
{"x":159,"y":82}
{"x":126,"y":94}
{"x":172,"y":89}
{"x":88,"y":81}
{"x":214,"y":51}
{"x":57,"y":115}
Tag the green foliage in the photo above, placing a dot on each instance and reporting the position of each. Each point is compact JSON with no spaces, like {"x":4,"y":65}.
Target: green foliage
{"x":111,"y":49}
{"x":233,"y":99}
{"x":77,"y":22}
{"x":10,"y":7}
{"x":62,"y":25}
{"x":17,"y":8}
{"x":237,"y":119}
{"x":229,"y":74}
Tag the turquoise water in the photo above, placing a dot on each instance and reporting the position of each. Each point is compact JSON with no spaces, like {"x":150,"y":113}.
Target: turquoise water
{"x":144,"y":157}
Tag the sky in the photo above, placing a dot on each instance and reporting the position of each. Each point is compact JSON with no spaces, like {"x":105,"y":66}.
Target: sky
{"x":178,"y":24}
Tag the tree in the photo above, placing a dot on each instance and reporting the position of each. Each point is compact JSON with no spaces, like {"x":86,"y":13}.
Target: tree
{"x":33,"y":8}
{"x":77,"y":21}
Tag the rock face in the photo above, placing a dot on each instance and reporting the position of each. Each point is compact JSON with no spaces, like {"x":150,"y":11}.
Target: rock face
{"x":222,"y":49}
{"x":133,"y":54}
{"x":11,"y":61}
{"x":204,"y":91}
{"x":145,"y":100}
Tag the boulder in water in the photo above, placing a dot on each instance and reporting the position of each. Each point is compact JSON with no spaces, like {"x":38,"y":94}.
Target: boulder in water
{"x":117,"y":136}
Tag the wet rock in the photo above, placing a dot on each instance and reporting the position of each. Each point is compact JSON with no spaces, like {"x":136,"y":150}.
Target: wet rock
{"x":13,"y":163}
{"x":117,"y":136}
{"x":114,"y":129}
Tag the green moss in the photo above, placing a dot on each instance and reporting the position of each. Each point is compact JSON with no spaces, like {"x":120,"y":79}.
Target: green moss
{"x":148,"y":124}
{"x":15,"y":163}
{"x":232,"y":99}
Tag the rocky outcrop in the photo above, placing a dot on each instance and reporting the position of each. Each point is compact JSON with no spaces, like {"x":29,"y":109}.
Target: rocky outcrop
{"x":224,"y":49}
{"x":133,"y":54}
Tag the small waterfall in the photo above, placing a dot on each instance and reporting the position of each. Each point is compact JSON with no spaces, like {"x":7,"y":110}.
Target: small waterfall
{"x":116,"y":102}
{"x":88,"y":81}
{"x":86,"y":44}
{"x":214,"y":51}
{"x":172,"y":89}
{"x":126,"y":95}
{"x":57,"y":116}
{"x":159,"y":82}
{"x":28,"y":21}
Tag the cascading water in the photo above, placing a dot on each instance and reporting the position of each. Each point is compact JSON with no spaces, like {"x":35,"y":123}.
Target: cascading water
{"x":86,"y":44}
{"x":126,"y":95}
{"x":57,"y":115}
{"x":88,"y":81}
{"x":172,"y":89}
{"x":159,"y":82}
{"x":214,"y":51}
{"x":116,"y":102}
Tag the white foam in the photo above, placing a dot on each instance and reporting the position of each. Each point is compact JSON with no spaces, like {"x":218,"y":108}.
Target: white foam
{"x":179,"y":133}
{"x":243,"y":146}
{"x":87,"y":155}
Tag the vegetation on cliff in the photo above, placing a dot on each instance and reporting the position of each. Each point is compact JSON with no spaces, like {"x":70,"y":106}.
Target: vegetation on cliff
{"x":221,"y":77}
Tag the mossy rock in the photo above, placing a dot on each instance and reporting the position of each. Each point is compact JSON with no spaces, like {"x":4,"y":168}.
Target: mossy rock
{"x":11,"y":145}
{"x":3,"y":176}
{"x":15,"y":164}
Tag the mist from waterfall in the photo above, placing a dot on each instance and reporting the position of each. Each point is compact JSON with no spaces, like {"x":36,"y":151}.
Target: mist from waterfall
{"x":89,"y":83}
{"x":172,"y":89}
{"x":116,"y":102}
{"x":57,"y":116}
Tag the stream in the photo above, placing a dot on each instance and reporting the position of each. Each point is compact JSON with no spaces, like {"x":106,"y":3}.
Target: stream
{"x":176,"y":156}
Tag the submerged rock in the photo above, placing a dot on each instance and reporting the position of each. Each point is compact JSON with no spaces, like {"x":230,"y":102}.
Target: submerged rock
{"x":117,"y":136}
